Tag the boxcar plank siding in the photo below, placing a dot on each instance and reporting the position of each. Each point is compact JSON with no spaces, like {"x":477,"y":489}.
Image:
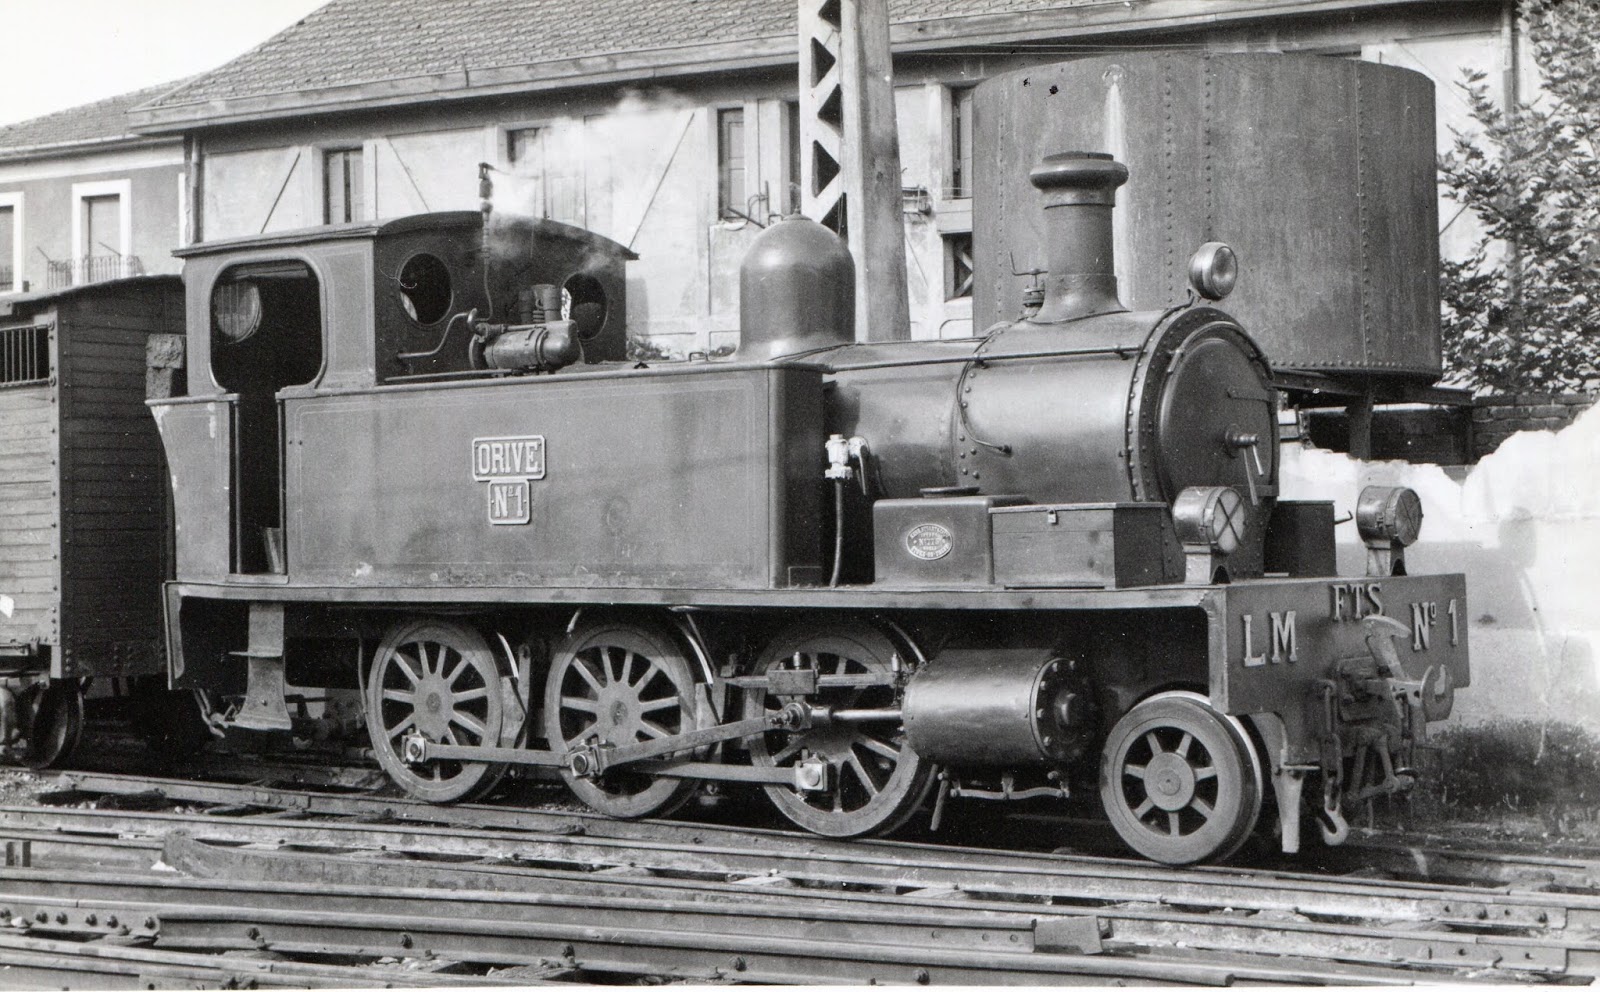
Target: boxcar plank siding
{"x":113,"y":488}
{"x":29,"y":567}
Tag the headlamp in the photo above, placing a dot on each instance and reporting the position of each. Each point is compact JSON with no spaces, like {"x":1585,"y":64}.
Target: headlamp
{"x":1213,"y":270}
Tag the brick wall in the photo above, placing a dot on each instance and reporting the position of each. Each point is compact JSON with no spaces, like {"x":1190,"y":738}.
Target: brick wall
{"x":1495,"y":418}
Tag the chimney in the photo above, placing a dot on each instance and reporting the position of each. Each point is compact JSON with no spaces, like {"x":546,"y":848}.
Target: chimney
{"x":1080,"y":188}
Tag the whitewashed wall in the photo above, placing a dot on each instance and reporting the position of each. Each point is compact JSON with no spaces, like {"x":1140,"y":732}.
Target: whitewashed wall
{"x":1524,"y":525}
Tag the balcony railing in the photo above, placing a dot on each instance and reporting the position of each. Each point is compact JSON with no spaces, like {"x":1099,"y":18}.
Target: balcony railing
{"x":92,"y":268}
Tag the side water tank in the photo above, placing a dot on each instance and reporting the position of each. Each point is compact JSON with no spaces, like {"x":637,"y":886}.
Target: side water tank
{"x":797,"y":291}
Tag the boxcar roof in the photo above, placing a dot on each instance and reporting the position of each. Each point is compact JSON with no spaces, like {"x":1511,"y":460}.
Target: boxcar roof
{"x":38,"y":301}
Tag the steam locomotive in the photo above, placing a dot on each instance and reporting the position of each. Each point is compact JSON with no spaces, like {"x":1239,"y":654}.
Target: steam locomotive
{"x":411,"y":466}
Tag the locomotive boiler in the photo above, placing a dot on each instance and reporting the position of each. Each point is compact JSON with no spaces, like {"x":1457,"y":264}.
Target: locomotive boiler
{"x":868,"y":579}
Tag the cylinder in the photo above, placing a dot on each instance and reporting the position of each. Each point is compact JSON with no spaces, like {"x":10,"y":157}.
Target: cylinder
{"x":797,"y":288}
{"x":997,"y":707}
{"x":533,"y":346}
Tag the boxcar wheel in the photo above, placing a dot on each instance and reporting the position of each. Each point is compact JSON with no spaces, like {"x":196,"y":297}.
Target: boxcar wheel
{"x":56,"y":726}
{"x":620,"y":682}
{"x":875,"y":781}
{"x":441,"y":679}
{"x":1180,"y":781}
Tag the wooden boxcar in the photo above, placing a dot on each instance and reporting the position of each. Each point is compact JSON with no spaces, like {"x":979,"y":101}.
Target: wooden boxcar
{"x":83,"y":499}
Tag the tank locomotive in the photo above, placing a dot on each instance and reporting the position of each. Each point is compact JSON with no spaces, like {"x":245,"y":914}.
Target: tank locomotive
{"x":412,"y":467}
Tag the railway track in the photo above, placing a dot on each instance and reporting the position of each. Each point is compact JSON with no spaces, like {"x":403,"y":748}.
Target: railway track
{"x":274,"y":875}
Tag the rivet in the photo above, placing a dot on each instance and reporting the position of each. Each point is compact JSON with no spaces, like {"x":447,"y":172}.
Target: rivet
{"x":406,"y":941}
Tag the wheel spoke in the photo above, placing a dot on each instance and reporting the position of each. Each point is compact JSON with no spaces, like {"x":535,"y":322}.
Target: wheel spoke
{"x":404,"y":725}
{"x":405,"y":663}
{"x":466,"y":722}
{"x":656,"y":705}
{"x":1154,"y":743}
{"x":618,"y":674}
{"x":468,"y":695}
{"x":399,"y":696}
{"x":1183,"y":744}
{"x":653,"y":730}
{"x":1205,"y":809}
{"x":1144,"y":807}
{"x":789,"y":750}
{"x":1201,"y":774}
{"x":861,"y":773}
{"x":580,"y":703}
{"x":579,"y":666}
{"x":1172,"y":823}
{"x":462,"y":667}
{"x":1134,"y":771}
{"x":427,"y":659}
{"x":450,"y":737}
{"x":883,"y":748}
{"x":651,"y":669}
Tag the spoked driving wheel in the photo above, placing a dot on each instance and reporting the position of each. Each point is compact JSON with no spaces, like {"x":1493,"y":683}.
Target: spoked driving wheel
{"x":620,"y":683}
{"x":875,"y":781}
{"x":440,"y":679}
{"x":1180,"y":781}
{"x":56,"y":726}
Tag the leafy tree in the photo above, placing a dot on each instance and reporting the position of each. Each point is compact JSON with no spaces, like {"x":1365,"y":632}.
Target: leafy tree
{"x":1522,"y":311}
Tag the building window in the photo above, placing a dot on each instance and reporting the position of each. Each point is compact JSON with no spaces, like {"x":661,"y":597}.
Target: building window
{"x":102,"y":242}
{"x":523,"y":147}
{"x":958,"y":266}
{"x":792,"y":190}
{"x":730,"y":163}
{"x":525,"y":156}
{"x":341,"y":186}
{"x":961,"y":142}
{"x":10,"y":246}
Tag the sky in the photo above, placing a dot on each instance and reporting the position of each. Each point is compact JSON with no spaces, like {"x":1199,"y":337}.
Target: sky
{"x":62,"y":53}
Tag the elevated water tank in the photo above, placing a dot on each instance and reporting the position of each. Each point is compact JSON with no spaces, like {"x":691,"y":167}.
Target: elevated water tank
{"x":1318,"y":171}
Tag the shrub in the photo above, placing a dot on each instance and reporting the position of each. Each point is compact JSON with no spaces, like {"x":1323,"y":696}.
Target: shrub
{"x":1521,"y":312}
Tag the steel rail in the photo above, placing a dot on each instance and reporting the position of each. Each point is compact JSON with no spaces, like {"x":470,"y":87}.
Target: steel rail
{"x":26,"y":960}
{"x":1125,"y":927}
{"x":907,"y":866}
{"x":1368,"y":850}
{"x":687,"y":938}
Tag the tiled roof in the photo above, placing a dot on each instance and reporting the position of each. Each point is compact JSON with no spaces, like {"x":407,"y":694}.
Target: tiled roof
{"x":362,"y":41}
{"x":92,"y":123}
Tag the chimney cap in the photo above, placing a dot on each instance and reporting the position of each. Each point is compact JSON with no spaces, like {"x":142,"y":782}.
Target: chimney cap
{"x":1079,"y":177}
